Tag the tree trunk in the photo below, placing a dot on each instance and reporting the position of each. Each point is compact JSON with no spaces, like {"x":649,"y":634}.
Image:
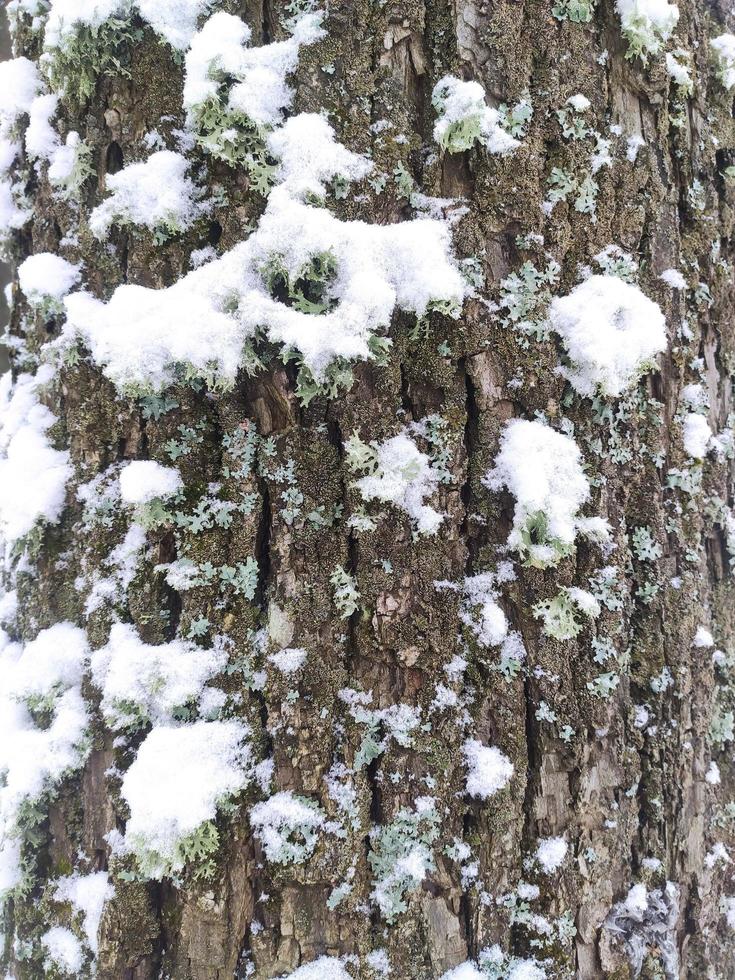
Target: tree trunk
{"x":605,"y":853}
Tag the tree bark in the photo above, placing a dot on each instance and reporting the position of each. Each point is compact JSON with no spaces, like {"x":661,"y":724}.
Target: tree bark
{"x":629,"y":797}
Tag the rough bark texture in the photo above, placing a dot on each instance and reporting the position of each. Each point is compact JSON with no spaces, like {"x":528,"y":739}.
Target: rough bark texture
{"x":616,"y":792}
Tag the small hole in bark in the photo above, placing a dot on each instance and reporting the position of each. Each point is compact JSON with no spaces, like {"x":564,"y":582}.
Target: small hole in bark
{"x":114,"y":160}
{"x":215,"y":233}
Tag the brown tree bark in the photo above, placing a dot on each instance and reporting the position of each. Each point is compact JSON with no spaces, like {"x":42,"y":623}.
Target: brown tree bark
{"x":630,"y":799}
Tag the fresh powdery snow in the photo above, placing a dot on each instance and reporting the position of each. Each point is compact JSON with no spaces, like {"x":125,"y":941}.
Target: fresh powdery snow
{"x":19,"y":85}
{"x":724,"y":48}
{"x":325,"y":968}
{"x":55,"y":661}
{"x":404,"y":477}
{"x":45,"y":674}
{"x":286,"y":826}
{"x":141,"y":335}
{"x":145,"y":480}
{"x":481,"y":612}
{"x":87,"y":895}
{"x":177,"y":782}
{"x":696,"y":434}
{"x":65,"y":160}
{"x":542,"y":469}
{"x":288,"y":661}
{"x":41,"y":138}
{"x":220,"y":52}
{"x":550,"y":853}
{"x":465,"y":118}
{"x":123,"y":562}
{"x":141,"y":684}
{"x":156,"y":194}
{"x":174,"y":20}
{"x":63,"y":951}
{"x":612,"y":333}
{"x":46,"y":276}
{"x":703,"y":638}
{"x":310,"y":156}
{"x":647,"y":24}
{"x":465,"y":971}
{"x":673,"y":278}
{"x":33,"y":475}
{"x":13,"y":213}
{"x":488,"y":770}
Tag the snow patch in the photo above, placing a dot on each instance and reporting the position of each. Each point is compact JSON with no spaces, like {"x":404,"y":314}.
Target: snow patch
{"x":611,"y":332}
{"x":145,"y":480}
{"x":177,"y":782}
{"x":488,"y":769}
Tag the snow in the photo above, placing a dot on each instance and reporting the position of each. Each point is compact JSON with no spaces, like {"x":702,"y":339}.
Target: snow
{"x":673,"y":278}
{"x":694,"y":396}
{"x":33,"y":475}
{"x":465,"y":971}
{"x":404,"y":477}
{"x":550,"y":853}
{"x":144,"y":480}
{"x":123,"y":560}
{"x":542,"y":469}
{"x":526,"y":970}
{"x":87,"y":895}
{"x":10,"y":869}
{"x":203,"y":320}
{"x":637,"y":899}
{"x":724,"y":48}
{"x":41,"y":138}
{"x":612,"y":333}
{"x":465,"y":117}
{"x":9,"y":607}
{"x":647,"y":23}
{"x":712,"y":776}
{"x":579,"y":102}
{"x":173,"y":20}
{"x":310,"y":155}
{"x":696,"y":434}
{"x":19,"y":85}
{"x":65,"y":17}
{"x":13,"y":213}
{"x":46,"y":275}
{"x":64,"y":160}
{"x":481,"y":611}
{"x":584,"y":601}
{"x":325,"y":968}
{"x":488,"y":769}
{"x":703,"y":638}
{"x":54,"y":661}
{"x":142,"y":683}
{"x":63,"y":950}
{"x":154,"y":194}
{"x":718,"y":853}
{"x":179,"y":778}
{"x":219,"y":51}
{"x":8,"y":152}
{"x":679,"y":72}
{"x":277,"y":818}
{"x":34,"y":759}
{"x":288,"y":661}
